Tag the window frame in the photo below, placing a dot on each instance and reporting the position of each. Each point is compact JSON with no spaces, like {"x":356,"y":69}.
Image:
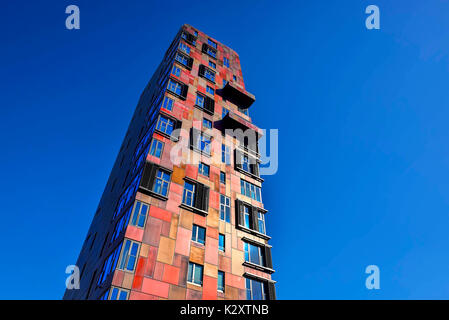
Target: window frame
{"x":196,"y":234}
{"x":226,"y":204}
{"x":191,"y":271}
{"x":221,"y":287}
{"x":160,"y":169}
{"x":221,"y":248}
{"x":126,"y":263}
{"x":158,"y":142}
{"x":139,"y":214}
{"x":201,"y":169}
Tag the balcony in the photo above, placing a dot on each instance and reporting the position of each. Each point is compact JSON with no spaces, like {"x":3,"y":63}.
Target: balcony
{"x":237,"y":96}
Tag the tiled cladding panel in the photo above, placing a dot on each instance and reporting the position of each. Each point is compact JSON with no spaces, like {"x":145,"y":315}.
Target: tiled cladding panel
{"x":166,"y":246}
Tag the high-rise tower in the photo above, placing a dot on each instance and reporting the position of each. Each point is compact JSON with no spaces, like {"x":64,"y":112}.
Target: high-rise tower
{"x":181,"y":216}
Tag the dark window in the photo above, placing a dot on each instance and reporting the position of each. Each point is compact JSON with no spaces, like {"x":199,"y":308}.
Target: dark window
{"x":190,"y":38}
{"x":206,"y":73}
{"x":222,"y":177}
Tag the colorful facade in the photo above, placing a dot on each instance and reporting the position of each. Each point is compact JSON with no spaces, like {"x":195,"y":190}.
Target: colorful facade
{"x":182,"y":216}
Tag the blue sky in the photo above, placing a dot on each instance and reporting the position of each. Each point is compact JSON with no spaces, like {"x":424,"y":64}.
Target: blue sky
{"x":362,"y":116}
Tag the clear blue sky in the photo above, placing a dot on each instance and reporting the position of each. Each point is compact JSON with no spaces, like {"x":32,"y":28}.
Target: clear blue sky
{"x":362,"y":118}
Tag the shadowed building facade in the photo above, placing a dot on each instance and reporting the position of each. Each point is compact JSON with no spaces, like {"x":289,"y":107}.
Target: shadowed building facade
{"x":183,"y":223}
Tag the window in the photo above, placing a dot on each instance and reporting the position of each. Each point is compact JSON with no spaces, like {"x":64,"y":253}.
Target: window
{"x":254,"y":254}
{"x":177,"y":88}
{"x":261,"y":222}
{"x":225,"y":154}
{"x":256,"y":290}
{"x":212,"y":43}
{"x":224,"y":82}
{"x":225,"y":208}
{"x":222,"y":177}
{"x":176,"y":71}
{"x":207,"y":124}
{"x":196,"y":197}
{"x":174,"y":87}
{"x":129,"y":255}
{"x":184,"y":47}
{"x":246,"y":217}
{"x":212,"y":64}
{"x":200,"y":100}
{"x":221,"y":242}
{"x":211,"y":52}
{"x":156,"y":148}
{"x":250,"y":190}
{"x":118,"y":294}
{"x":139,"y":214}
{"x":208,"y":74}
{"x":188,"y":196}
{"x":204,"y":102}
{"x":210,"y":90}
{"x":246,"y":163}
{"x":161,"y":182}
{"x":204,"y":144}
{"x":198,"y":234}
{"x":165,"y":125}
{"x":182,"y":59}
{"x":195,"y":274}
{"x":200,"y":142}
{"x":221,"y":281}
{"x":203,"y":169}
{"x":155,"y":181}
{"x":195,"y":33}
{"x":234,"y":77}
{"x":168,"y":103}
{"x":226,"y":62}
{"x":189,"y":37}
